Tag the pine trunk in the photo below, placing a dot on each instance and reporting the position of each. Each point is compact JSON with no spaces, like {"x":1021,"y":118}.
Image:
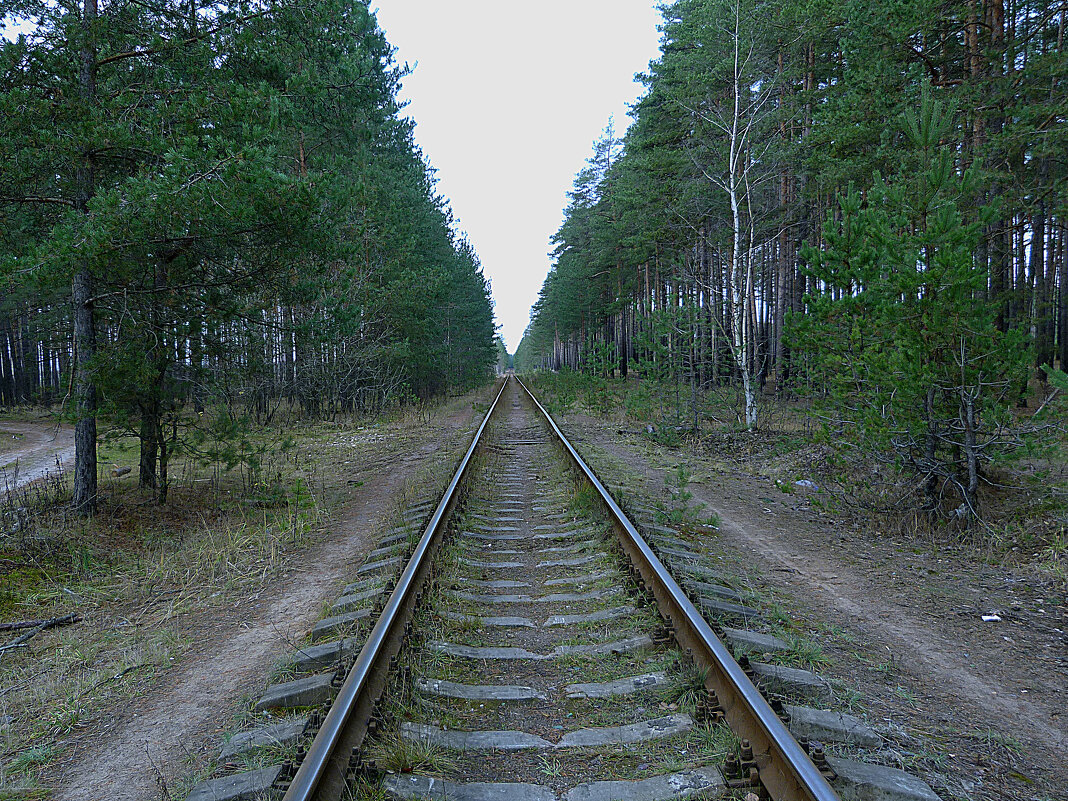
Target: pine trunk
{"x":85,"y":493}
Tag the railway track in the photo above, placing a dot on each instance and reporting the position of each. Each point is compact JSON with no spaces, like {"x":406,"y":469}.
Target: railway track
{"x":529,"y":643}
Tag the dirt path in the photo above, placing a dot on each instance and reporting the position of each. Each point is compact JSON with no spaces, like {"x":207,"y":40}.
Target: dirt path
{"x":144,"y":747}
{"x":43,"y":448}
{"x":918,"y":646}
{"x":996,"y":691}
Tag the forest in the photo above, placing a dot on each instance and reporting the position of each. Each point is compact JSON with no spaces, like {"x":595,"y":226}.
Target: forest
{"x":212,"y":213}
{"x":858,"y":208}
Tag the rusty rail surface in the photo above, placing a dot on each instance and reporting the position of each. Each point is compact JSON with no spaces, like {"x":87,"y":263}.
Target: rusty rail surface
{"x":323,"y":772}
{"x":784,"y":767}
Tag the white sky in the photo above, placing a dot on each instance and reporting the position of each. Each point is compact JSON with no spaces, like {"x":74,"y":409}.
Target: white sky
{"x":508,"y":98}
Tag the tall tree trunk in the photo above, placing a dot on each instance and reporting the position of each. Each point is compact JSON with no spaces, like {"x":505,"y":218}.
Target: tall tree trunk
{"x":23,"y":379}
{"x":7,"y":389}
{"x":149,"y":447}
{"x":164,"y":462}
{"x":1043,"y":291}
{"x":930,"y":484}
{"x":85,"y":494}
{"x":971,"y":450}
{"x":741,"y":270}
{"x":1062,"y":298}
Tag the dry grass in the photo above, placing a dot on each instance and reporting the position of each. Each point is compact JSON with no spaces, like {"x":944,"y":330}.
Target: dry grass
{"x":139,"y":573}
{"x":134,"y":595}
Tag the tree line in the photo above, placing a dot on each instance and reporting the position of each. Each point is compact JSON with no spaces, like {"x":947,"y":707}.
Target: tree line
{"x":858,"y":204}
{"x":210,"y":211}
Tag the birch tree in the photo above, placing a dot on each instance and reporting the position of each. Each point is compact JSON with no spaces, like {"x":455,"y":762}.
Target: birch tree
{"x":733,"y":109}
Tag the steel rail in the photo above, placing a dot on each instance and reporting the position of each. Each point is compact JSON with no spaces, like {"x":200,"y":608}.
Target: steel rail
{"x":322,"y":772}
{"x":785,"y":769}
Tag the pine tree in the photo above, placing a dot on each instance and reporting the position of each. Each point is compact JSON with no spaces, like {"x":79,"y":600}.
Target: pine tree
{"x":227,"y":193}
{"x":911,"y":358}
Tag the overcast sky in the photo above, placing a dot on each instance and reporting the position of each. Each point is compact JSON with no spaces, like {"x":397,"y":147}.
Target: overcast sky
{"x":508,"y":98}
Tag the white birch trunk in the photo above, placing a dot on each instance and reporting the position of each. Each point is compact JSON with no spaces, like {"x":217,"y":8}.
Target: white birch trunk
{"x":741,"y":270}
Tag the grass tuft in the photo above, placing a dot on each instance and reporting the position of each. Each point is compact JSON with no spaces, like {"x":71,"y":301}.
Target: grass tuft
{"x":394,"y":753}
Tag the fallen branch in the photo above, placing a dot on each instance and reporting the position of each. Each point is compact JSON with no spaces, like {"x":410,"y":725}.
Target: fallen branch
{"x":31,"y":624}
{"x":122,"y":673}
{"x":20,"y":642}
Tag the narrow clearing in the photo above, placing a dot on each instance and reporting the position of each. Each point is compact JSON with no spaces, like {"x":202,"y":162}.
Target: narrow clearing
{"x":142,"y":749}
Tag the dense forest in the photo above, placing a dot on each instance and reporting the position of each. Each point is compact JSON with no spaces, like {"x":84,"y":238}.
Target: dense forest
{"x":212,"y":211}
{"x":859,"y":205}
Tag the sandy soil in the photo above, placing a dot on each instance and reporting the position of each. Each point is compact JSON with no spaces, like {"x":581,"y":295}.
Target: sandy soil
{"x":40,"y":449}
{"x":138,"y":752}
{"x":981,"y":704}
